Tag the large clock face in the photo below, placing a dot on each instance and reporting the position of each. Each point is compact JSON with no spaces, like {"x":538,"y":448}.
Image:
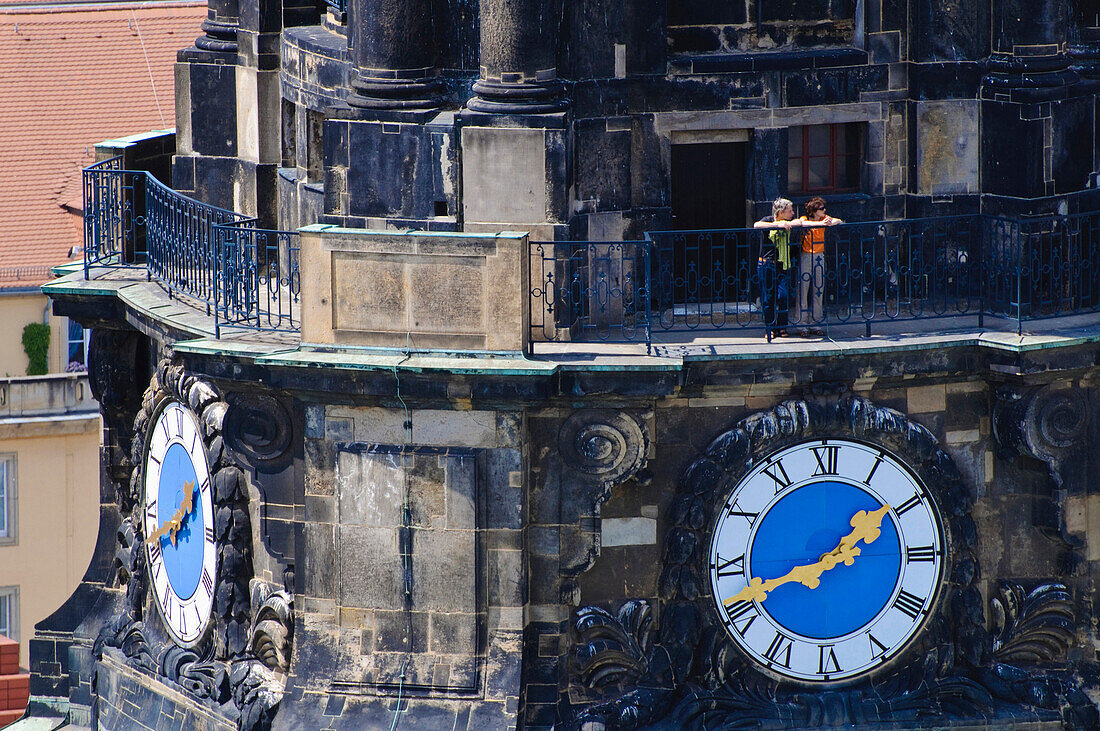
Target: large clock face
{"x":179,"y":523}
{"x":826,"y":559}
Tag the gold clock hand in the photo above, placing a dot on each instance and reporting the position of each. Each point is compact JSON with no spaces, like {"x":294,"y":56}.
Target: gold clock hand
{"x":865,"y":527}
{"x":173,"y":524}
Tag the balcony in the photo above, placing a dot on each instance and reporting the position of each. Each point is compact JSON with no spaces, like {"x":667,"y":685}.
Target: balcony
{"x":673,"y":294}
{"x":244,"y":277}
{"x":888,"y":277}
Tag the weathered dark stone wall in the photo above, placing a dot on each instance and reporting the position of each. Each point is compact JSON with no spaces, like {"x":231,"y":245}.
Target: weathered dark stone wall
{"x":1027,"y":509}
{"x":632,"y":77}
{"x":755,"y":25}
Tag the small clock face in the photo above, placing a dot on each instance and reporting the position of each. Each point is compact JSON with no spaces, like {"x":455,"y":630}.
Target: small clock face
{"x":826,"y":560}
{"x":178,"y":516}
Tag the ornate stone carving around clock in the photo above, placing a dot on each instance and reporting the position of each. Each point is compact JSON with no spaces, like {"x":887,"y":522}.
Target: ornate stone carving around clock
{"x":820,"y":570}
{"x":219,"y":635}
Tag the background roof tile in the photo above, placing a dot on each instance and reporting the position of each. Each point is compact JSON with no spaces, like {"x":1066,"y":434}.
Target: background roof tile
{"x":72,"y":76}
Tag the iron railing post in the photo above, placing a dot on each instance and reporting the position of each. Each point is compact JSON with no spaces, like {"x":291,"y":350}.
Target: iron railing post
{"x":647,"y":296}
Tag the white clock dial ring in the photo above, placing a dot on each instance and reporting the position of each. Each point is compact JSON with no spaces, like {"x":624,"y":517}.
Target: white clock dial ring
{"x":178,"y":518}
{"x":826,"y":559}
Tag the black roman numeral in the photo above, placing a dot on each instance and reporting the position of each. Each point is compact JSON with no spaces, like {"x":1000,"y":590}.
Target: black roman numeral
{"x":919,"y":554}
{"x":742,"y":612}
{"x":151,"y":510}
{"x":154,"y":551}
{"x":877,"y":648}
{"x":164,"y":426}
{"x":732,"y":567}
{"x":179,"y":422}
{"x":183,"y":621}
{"x":874,"y":468}
{"x":909,"y":604}
{"x":205,"y":487}
{"x":209,"y":534}
{"x":827,"y":662}
{"x":207,"y":582}
{"x":167,"y":602}
{"x":778,"y":474}
{"x":908,"y":504}
{"x":779,"y":651}
{"x":826,"y":460}
{"x":751,"y":517}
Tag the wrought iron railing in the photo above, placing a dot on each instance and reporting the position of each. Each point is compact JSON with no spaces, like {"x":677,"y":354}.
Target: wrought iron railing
{"x":243,"y":276}
{"x":180,"y":240}
{"x":109,"y":213}
{"x":259,"y":278}
{"x":590,"y":290}
{"x":869,"y":272}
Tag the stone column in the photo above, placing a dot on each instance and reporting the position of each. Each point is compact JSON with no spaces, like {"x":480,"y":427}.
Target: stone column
{"x":393,"y":48}
{"x":518,"y":50}
{"x":1029,"y":61}
{"x":220,"y":26}
{"x":1085,"y":51}
{"x":1038,"y":142}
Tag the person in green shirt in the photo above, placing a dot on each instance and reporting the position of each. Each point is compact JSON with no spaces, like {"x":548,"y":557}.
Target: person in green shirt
{"x":774,"y":265}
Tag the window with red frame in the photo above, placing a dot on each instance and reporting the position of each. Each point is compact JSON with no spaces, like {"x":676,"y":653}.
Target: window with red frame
{"x":823,"y":158}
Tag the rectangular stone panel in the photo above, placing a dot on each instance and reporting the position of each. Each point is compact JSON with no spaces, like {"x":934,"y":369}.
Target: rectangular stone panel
{"x":947,"y":146}
{"x":407,"y":512}
{"x":449,"y":295}
{"x":504,"y":174}
{"x":390,"y":289}
{"x":381,"y":306}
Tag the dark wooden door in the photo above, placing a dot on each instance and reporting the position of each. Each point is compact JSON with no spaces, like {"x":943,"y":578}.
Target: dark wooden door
{"x":708,"y":193}
{"x":708,"y":186}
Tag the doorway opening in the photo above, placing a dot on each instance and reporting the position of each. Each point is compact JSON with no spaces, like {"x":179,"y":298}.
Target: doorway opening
{"x":703,"y":265}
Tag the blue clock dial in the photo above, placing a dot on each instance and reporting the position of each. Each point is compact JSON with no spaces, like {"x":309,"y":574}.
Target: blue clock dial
{"x":183,"y":559}
{"x":826,"y":559}
{"x":179,"y":523}
{"x":797,"y":531}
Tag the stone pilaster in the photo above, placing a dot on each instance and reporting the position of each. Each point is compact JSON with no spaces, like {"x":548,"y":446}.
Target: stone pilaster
{"x":518,"y":59}
{"x":393,"y":49}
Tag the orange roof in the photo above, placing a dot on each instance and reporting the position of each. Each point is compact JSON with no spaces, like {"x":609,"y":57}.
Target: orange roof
{"x":72,"y":76}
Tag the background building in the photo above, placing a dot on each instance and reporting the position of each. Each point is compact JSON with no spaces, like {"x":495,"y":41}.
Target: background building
{"x":59,"y":66}
{"x":449,"y":320}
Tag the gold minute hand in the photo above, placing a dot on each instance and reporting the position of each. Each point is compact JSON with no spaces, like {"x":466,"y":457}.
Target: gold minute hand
{"x":865,"y":527}
{"x":173,"y":524}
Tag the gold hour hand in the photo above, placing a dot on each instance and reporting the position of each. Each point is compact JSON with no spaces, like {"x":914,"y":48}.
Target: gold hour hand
{"x":865,"y":527}
{"x":173,"y":524}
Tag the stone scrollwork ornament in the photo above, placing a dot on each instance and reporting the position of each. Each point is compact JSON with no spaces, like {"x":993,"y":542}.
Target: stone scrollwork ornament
{"x":600,"y":448}
{"x":258,"y":428}
{"x":1050,"y":425}
{"x":605,"y":445}
{"x":1042,"y":423}
{"x":273,"y":626}
{"x":924,"y":654}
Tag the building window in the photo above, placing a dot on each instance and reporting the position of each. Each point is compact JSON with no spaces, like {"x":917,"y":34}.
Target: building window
{"x":9,"y":516}
{"x":77,"y":348}
{"x":9,"y":612}
{"x":823,"y":158}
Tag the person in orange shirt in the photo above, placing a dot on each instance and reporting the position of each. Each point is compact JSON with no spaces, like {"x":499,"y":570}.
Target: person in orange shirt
{"x":811,"y":270}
